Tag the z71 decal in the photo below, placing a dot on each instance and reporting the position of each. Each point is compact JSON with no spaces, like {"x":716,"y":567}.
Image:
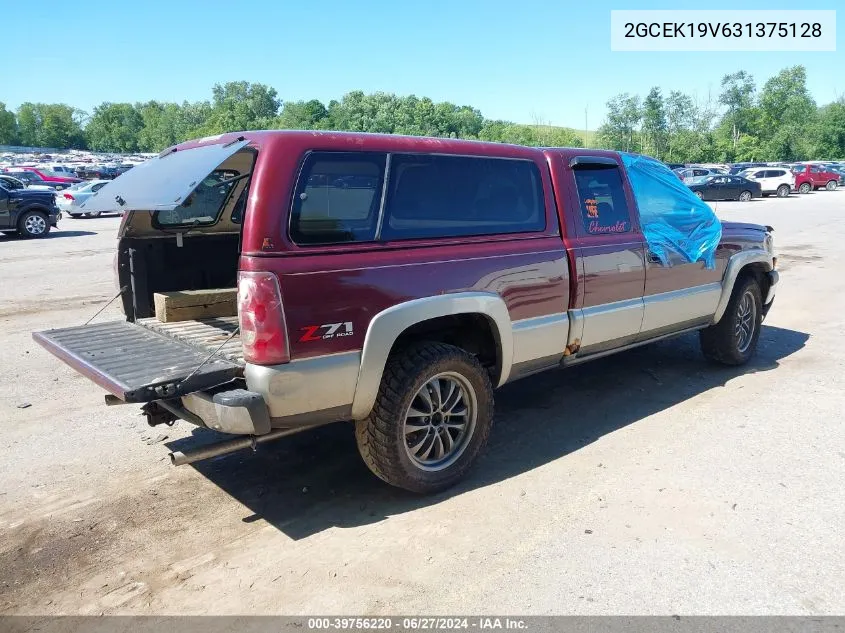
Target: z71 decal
{"x":326,"y":331}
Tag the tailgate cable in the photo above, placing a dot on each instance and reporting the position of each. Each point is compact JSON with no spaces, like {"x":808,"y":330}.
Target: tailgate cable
{"x":108,"y":303}
{"x":208,"y":358}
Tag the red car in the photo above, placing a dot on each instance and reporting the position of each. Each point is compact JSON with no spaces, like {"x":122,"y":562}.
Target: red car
{"x":396,"y":282}
{"x":810,"y":177}
{"x":42,"y":175}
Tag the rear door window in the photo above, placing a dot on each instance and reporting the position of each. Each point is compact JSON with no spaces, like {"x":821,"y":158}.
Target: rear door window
{"x":604,"y":208}
{"x":337,"y":198}
{"x":203,"y":206}
{"x":450,"y":196}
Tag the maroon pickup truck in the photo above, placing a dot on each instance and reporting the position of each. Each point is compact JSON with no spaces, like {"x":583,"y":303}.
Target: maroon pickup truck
{"x":394,"y":282}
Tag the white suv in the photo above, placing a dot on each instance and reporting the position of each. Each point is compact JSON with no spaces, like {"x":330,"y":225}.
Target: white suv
{"x":777,"y":180}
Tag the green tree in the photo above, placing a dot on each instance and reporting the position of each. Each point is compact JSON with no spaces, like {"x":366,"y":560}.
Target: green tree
{"x":302,"y":115}
{"x":620,"y":129}
{"x":8,"y":126}
{"x":240,"y":105}
{"x":654,"y":124}
{"x":738,"y":97}
{"x":829,"y":131}
{"x":114,"y":127}
{"x":680,"y":119}
{"x":788,"y":114}
{"x":161,"y":125}
{"x":50,"y":125}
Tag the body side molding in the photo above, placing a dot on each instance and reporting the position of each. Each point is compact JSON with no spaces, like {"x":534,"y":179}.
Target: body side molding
{"x":387,"y":325}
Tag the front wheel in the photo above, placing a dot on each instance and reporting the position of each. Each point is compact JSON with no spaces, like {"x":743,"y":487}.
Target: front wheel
{"x":431,"y":418}
{"x":805,"y":187}
{"x":783,"y":191}
{"x":745,"y":196}
{"x":733,"y":340}
{"x":33,"y":224}
{"x":699,"y":195}
{"x":830,"y":186}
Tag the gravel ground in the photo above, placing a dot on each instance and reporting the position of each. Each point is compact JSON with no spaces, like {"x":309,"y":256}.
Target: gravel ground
{"x":645,"y":483}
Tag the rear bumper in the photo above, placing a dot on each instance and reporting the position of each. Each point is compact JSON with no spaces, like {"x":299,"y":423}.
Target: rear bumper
{"x":236,"y":411}
{"x":304,"y":392}
{"x":301,"y":393}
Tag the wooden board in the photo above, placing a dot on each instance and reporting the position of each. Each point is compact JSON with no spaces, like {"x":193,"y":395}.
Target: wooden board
{"x":186,"y":305}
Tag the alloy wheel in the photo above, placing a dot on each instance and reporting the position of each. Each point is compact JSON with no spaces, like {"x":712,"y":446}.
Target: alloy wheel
{"x":440,"y":421}
{"x":746,"y":322}
{"x":35,"y":224}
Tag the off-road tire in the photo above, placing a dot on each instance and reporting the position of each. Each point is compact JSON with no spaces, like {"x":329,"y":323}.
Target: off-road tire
{"x":720,"y":342}
{"x":381,"y":436}
{"x":24,"y":224}
{"x":805,"y":187}
{"x":831,"y":185}
{"x":783,"y":191}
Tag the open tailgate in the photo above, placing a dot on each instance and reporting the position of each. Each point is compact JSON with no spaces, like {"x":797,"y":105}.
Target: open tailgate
{"x":134,"y":363}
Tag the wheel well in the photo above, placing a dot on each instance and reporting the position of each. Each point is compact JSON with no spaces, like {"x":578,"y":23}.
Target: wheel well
{"x":473,"y":332}
{"x":36,"y":208}
{"x":756,"y":271}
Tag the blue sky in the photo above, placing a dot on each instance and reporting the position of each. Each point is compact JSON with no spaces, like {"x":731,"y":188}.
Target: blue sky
{"x":512,"y":60}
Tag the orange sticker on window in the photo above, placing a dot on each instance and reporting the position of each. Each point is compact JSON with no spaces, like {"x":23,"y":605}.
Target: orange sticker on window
{"x":592,"y":207}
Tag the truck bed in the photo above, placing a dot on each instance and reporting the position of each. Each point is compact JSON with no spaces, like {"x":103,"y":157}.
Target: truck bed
{"x":206,"y":334}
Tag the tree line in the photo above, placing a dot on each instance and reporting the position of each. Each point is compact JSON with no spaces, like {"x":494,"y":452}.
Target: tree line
{"x":779,"y":122}
{"x":240,"y":105}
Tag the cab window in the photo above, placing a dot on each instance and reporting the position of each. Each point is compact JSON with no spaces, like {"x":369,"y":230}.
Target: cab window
{"x":604,"y":209}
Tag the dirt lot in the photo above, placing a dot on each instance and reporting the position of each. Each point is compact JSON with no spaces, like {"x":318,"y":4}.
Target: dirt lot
{"x":649,"y":482}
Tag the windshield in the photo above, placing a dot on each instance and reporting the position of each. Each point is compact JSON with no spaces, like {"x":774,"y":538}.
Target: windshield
{"x":204,"y":205}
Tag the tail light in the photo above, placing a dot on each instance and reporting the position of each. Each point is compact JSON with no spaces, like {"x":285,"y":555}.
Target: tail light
{"x":67,"y":196}
{"x":262,"y":319}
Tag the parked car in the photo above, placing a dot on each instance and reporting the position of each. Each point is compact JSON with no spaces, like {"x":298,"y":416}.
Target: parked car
{"x":738,"y":168}
{"x":810,"y":177}
{"x":401,"y":302}
{"x":724,"y":187}
{"x":42,"y":176}
{"x":12,"y":183}
{"x":674,"y":166}
{"x":100,"y":172}
{"x":70,"y":199}
{"x":840,"y":171}
{"x":777,"y":180}
{"x":695,"y":172}
{"x":28,"y":212}
{"x":62,"y":170}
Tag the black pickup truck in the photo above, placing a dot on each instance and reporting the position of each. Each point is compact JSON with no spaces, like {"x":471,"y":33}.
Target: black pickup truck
{"x":28,"y":212}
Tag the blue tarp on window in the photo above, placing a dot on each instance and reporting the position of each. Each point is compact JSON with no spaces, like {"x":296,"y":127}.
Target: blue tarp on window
{"x":672,"y":217}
